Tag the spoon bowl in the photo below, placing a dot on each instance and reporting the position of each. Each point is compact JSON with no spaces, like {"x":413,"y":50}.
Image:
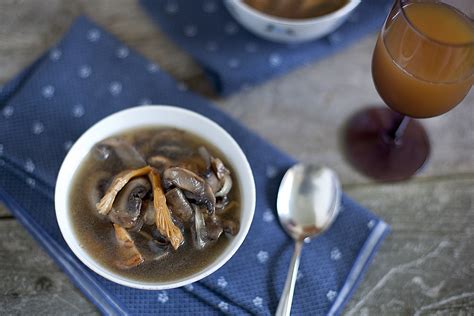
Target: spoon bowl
{"x":308,"y":203}
{"x":308,"y":200}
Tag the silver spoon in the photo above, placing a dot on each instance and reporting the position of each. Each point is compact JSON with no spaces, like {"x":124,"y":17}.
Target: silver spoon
{"x":308,"y":202}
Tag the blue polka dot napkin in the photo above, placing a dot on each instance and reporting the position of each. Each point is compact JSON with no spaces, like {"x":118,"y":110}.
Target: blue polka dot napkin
{"x":233,"y":57}
{"x":90,"y":75}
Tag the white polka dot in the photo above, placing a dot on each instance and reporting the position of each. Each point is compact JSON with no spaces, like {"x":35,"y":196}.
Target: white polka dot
{"x":93,"y":35}
{"x":48,"y":91}
{"x":67,"y":145}
{"x":84,"y":71}
{"x":251,"y":47}
{"x":163,"y":297}
{"x":189,"y":287}
{"x":221,"y":282}
{"x":171,"y":8}
{"x":331,"y":295}
{"x":152,"y":68}
{"x":307,"y":240}
{"x":78,"y":111}
{"x":182,"y":86}
{"x":274,"y":60}
{"x":231,"y":28}
{"x":144,"y":101}
{"x":1,"y":149}
{"x":209,"y":7}
{"x":371,"y":224}
{"x":268,"y":216}
{"x":335,"y":254}
{"x":223,"y":306}
{"x":115,"y":88}
{"x":8,"y":111}
{"x":37,"y":128}
{"x":211,"y":46}
{"x":31,"y":182}
{"x":190,"y":30}
{"x":334,"y":38}
{"x":29,"y":165}
{"x":271,"y":172}
{"x":55,"y":54}
{"x":122,"y":52}
{"x":233,"y":63}
{"x":258,"y":302}
{"x":262,"y":256}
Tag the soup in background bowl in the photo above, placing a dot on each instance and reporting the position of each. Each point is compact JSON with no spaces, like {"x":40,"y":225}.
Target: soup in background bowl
{"x":155,"y":197}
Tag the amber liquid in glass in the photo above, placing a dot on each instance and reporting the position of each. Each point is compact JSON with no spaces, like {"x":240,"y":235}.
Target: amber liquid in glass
{"x":427,"y":70}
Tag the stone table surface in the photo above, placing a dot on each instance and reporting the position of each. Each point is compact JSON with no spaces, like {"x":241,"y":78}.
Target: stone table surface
{"x":425,"y":266}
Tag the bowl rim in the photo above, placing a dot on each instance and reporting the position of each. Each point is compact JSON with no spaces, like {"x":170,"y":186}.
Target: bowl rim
{"x":342,"y":11}
{"x":61,"y":198}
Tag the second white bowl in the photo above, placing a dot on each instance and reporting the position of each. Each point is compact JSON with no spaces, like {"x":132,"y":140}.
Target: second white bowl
{"x":288,"y":30}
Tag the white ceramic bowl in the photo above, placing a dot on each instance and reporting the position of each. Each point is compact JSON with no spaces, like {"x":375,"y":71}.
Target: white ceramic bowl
{"x":288,"y":30}
{"x":159,"y":116}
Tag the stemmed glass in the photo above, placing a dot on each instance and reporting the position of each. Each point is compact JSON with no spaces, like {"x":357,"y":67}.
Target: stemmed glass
{"x":422,"y":66}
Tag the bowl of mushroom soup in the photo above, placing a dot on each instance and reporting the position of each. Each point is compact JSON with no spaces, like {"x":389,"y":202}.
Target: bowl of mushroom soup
{"x":155,"y":197}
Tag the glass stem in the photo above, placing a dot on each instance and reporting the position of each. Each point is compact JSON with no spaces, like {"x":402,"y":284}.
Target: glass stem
{"x":399,"y":129}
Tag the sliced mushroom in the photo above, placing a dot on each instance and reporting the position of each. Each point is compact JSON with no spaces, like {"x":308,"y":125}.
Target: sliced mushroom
{"x":128,"y":204}
{"x":99,"y":181}
{"x":119,"y":148}
{"x":129,"y":255}
{"x":150,"y":248}
{"x":149,"y":213}
{"x":120,"y":180}
{"x":219,"y":168}
{"x":179,"y":205}
{"x":160,"y":162}
{"x":206,"y":157}
{"x":230,"y":226}
{"x":194,"y":186}
{"x":213,"y":228}
{"x":164,"y":221}
{"x":199,"y":228}
{"x":226,"y":186}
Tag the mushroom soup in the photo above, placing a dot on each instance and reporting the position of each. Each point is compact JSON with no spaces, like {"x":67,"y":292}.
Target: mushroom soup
{"x":155,"y":204}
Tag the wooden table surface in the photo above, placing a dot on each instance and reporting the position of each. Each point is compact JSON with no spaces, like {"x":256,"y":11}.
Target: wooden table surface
{"x":425,"y":266}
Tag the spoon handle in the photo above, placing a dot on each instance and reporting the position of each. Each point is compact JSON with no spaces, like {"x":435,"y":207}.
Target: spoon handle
{"x":284,"y":306}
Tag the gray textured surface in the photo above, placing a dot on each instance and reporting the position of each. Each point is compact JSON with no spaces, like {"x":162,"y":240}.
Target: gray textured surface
{"x":424,"y":267}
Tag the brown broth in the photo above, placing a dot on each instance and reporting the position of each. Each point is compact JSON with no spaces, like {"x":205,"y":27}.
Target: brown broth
{"x":291,"y":9}
{"x":97,"y":236}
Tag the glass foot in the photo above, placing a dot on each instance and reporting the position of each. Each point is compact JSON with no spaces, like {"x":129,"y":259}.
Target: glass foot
{"x":371,"y":150}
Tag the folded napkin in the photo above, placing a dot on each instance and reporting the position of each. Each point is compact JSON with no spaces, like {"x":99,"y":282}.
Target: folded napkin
{"x":90,"y":75}
{"x":233,"y":57}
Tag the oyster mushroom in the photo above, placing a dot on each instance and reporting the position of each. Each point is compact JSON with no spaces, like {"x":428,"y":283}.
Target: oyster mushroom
{"x":195,"y":187}
{"x":129,"y":255}
{"x":118,"y":148}
{"x":179,"y":205}
{"x":128,"y":204}
{"x":164,"y":221}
